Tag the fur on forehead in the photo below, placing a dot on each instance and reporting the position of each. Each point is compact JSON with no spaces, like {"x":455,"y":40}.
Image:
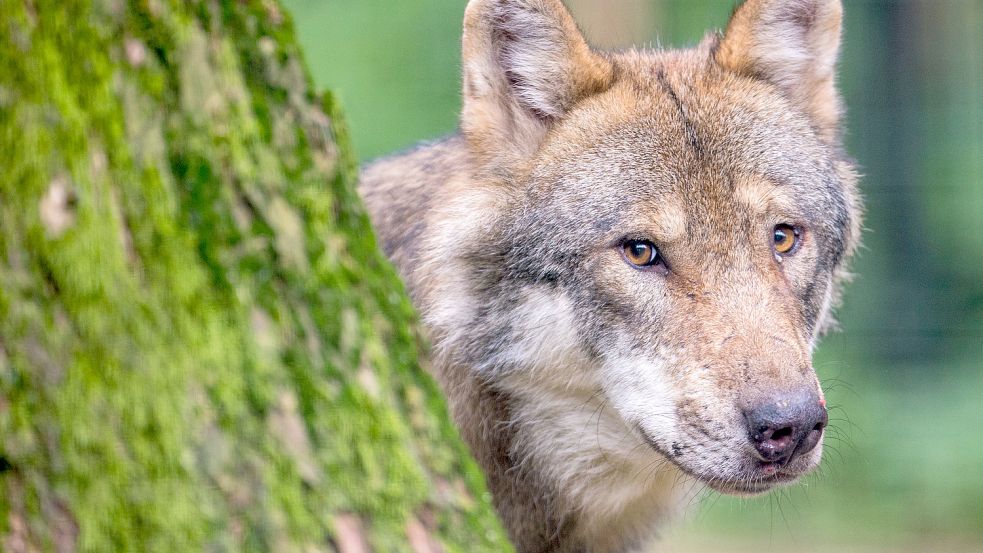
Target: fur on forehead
{"x":671,"y":116}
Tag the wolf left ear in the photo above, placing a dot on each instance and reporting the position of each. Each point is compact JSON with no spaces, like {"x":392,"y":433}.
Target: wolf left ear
{"x":525,"y":66}
{"x":793,"y":44}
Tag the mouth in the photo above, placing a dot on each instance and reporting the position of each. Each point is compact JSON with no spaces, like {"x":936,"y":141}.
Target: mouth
{"x":762,"y":479}
{"x":768,"y":478}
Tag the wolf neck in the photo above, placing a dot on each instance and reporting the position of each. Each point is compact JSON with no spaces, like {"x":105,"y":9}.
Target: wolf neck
{"x":566,"y":472}
{"x":609,"y":486}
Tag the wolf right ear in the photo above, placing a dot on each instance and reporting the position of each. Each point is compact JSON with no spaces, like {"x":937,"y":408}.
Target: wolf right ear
{"x":794,"y":45}
{"x":525,"y":65}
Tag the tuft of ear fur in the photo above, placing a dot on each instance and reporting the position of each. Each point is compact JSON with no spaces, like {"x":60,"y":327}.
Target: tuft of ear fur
{"x":793,"y":44}
{"x":525,"y":66}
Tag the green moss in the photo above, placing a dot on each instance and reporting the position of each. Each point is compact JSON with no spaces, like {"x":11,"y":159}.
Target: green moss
{"x":201,"y":347}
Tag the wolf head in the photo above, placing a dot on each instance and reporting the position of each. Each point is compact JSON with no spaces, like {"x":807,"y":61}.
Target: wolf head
{"x":659,"y":233}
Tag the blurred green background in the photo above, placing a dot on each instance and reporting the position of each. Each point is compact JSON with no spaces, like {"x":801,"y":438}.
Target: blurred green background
{"x":904,"y":463}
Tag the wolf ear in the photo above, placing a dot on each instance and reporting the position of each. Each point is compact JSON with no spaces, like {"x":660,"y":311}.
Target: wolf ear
{"x":525,"y":66}
{"x":794,"y":45}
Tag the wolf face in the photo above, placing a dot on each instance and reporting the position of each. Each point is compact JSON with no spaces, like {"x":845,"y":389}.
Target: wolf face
{"x":632,"y":255}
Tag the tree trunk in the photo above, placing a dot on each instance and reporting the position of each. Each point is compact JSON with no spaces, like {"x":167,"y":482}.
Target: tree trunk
{"x":201,"y":348}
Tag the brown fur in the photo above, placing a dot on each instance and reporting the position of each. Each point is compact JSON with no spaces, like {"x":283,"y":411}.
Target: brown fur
{"x":588,"y":390}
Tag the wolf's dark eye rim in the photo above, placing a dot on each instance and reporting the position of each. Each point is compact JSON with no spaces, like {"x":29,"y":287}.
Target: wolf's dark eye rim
{"x":787,"y":238}
{"x":643,"y":255}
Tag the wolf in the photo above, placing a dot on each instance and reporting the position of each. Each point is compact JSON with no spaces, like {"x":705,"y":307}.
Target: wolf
{"x":624,"y":260}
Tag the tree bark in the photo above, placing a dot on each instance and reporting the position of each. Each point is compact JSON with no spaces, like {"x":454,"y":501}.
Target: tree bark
{"x":201,"y":347}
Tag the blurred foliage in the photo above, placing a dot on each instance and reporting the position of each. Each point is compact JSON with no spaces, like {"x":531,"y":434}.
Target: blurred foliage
{"x":904,"y":453}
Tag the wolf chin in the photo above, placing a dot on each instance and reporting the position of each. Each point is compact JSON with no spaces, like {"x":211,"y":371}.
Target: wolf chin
{"x":624,"y":260}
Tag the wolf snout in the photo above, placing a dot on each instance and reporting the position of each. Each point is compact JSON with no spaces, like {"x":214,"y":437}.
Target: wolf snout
{"x":787,"y":428}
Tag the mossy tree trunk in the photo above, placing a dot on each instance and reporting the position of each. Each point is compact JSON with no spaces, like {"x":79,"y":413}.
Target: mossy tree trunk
{"x":201,"y":348}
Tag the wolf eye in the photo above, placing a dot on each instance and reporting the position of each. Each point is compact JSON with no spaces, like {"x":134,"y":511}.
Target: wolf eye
{"x":642,"y":254}
{"x":786,"y":239}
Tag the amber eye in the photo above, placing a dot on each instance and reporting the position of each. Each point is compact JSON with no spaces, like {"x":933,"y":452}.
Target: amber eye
{"x":786,"y":238}
{"x":641,"y":254}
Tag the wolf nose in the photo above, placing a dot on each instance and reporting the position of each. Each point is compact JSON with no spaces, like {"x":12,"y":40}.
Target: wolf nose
{"x":785,"y":429}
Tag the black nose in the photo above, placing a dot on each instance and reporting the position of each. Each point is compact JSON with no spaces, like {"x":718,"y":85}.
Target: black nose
{"x":783,"y":430}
